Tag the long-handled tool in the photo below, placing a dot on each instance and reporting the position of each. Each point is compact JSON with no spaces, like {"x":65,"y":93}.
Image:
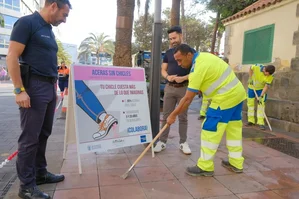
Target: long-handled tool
{"x":125,"y":175}
{"x":256,"y":96}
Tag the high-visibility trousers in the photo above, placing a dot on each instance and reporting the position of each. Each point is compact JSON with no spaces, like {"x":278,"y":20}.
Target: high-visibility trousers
{"x":204,"y":106}
{"x":260,"y":107}
{"x":217,"y":121}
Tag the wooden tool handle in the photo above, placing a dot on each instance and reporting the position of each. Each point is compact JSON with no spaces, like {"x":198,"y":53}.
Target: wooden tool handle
{"x":256,"y":96}
{"x":152,"y":142}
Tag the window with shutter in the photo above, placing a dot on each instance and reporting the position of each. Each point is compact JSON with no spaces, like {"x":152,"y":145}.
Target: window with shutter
{"x":258,"y":45}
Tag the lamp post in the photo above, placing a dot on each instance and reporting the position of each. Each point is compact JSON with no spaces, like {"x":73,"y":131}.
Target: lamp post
{"x":156,"y":70}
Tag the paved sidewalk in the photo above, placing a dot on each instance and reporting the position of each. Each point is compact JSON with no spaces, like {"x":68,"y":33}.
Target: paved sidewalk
{"x":267,"y":173}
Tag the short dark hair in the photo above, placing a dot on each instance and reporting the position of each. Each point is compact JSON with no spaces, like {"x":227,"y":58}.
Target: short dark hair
{"x":184,"y":49}
{"x":225,"y":59}
{"x":60,"y":3}
{"x":270,"y":69}
{"x":177,"y":29}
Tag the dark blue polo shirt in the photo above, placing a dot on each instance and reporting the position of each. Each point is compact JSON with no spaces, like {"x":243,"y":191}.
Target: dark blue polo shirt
{"x":40,"y":45}
{"x":173,"y":67}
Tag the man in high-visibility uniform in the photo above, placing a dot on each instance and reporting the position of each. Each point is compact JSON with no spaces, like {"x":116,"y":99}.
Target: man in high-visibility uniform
{"x":205,"y":101}
{"x":260,"y":78}
{"x":215,"y":78}
{"x":204,"y":107}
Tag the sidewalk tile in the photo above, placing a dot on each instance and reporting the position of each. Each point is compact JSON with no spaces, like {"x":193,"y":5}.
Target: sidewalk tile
{"x":179,"y":170}
{"x":288,"y":193}
{"x":164,"y":190}
{"x":252,"y":144}
{"x":146,"y":161}
{"x":224,"y":197}
{"x":48,"y":187}
{"x":57,"y":146}
{"x":278,"y":162}
{"x":170,"y":159}
{"x":113,"y":162}
{"x":253,"y":166}
{"x":112,"y":177}
{"x":131,"y":191}
{"x":71,"y":165}
{"x":75,"y":180}
{"x":240,"y":183}
{"x":260,"y":195}
{"x":201,"y":187}
{"x":88,"y":193}
{"x":292,"y":173}
{"x":152,"y":174}
{"x":273,"y":179}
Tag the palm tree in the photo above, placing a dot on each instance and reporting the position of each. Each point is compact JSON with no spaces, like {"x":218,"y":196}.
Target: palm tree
{"x":96,"y":44}
{"x":123,"y":36}
{"x":62,"y":55}
{"x":84,"y":53}
{"x":175,"y":13}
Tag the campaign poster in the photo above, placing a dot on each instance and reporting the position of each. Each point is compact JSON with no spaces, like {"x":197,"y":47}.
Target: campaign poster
{"x":111,"y":107}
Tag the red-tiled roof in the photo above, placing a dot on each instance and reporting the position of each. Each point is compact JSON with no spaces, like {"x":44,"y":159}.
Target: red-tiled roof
{"x":255,"y":7}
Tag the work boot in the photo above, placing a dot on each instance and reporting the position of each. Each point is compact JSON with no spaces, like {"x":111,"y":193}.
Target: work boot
{"x":196,"y":171}
{"x":185,"y":148}
{"x":249,"y":124}
{"x":32,"y":193}
{"x":104,"y":126}
{"x":230,"y":167}
{"x":160,"y":146}
{"x":49,"y":178}
{"x":201,"y":117}
{"x":262,"y":127}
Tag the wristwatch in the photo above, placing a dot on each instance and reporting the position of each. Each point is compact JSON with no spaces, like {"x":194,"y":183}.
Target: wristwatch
{"x":18,"y":90}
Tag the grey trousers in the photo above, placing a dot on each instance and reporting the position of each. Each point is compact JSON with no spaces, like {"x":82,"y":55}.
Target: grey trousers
{"x":172,"y":97}
{"x":36,"y":125}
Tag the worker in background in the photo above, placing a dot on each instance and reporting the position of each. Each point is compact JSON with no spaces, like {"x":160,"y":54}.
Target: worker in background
{"x":260,"y":79}
{"x":63,"y":77}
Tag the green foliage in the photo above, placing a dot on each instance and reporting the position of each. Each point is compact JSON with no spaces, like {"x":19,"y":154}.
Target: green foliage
{"x":62,"y":55}
{"x":143,"y":34}
{"x":226,"y":8}
{"x":198,"y":33}
{"x":96,"y":43}
{"x":1,"y":21}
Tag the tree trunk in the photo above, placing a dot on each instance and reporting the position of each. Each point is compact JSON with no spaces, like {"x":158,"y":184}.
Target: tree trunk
{"x":183,"y":22}
{"x":123,"y":37}
{"x":98,"y":59}
{"x":219,"y":37}
{"x":215,"y":32}
{"x":175,"y":13}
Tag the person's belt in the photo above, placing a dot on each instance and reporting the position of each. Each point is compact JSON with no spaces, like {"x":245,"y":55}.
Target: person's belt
{"x":52,"y":80}
{"x":178,"y":85}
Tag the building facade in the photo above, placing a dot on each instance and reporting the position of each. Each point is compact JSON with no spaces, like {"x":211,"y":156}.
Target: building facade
{"x":262,"y":33}
{"x":11,"y":10}
{"x":71,"y":49}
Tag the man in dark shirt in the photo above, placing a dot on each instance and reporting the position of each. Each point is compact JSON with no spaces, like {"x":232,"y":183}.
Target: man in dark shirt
{"x":33,"y":43}
{"x":174,"y":91}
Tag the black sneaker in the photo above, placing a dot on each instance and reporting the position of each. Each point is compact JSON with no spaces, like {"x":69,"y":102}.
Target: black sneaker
{"x":262,"y":127}
{"x":49,"y":178}
{"x":196,"y":171}
{"x":201,"y":117}
{"x":230,"y":167}
{"x":249,"y":124}
{"x":32,"y":193}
